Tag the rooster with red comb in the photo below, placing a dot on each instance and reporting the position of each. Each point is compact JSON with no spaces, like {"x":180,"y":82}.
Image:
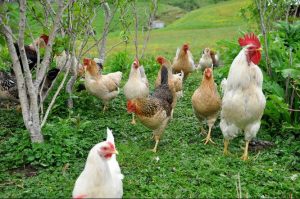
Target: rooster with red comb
{"x":243,"y":102}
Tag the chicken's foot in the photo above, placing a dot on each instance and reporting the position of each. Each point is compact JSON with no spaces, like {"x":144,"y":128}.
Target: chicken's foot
{"x":156,"y":137}
{"x":245,"y":155}
{"x":104,"y":108}
{"x":133,"y":120}
{"x":226,"y":143}
{"x":208,"y":137}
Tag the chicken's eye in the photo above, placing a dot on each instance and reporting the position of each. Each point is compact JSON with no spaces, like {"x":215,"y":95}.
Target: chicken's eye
{"x":104,"y":148}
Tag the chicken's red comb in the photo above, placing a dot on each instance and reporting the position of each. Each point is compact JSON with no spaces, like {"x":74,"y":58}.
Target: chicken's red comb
{"x":45,"y":38}
{"x":137,"y":61}
{"x":86,"y":61}
{"x":160,"y":59}
{"x":111,"y":145}
{"x":185,"y":46}
{"x":249,"y":39}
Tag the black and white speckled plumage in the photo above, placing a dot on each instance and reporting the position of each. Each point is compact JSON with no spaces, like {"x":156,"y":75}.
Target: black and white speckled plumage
{"x":8,"y":87}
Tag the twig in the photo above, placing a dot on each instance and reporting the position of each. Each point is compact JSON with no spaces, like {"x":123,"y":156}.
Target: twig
{"x":115,"y":45}
{"x":55,"y":96}
{"x":150,"y":21}
{"x":238,"y":187}
{"x":105,"y":31}
{"x":135,"y":29}
{"x":264,"y":33}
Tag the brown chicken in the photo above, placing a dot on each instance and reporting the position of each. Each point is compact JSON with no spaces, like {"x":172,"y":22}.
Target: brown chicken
{"x":105,"y":87}
{"x":154,"y":111}
{"x":206,"y":102}
{"x":183,"y":61}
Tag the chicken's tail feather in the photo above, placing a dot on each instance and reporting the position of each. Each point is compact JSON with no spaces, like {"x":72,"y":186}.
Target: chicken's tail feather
{"x":164,"y":75}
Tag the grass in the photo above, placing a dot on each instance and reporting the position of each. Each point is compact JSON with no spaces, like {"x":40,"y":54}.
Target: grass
{"x":186,"y":167}
{"x":183,"y":165}
{"x":201,"y":28}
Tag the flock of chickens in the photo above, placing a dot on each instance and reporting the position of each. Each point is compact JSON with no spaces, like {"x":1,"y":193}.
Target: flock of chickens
{"x":241,"y":106}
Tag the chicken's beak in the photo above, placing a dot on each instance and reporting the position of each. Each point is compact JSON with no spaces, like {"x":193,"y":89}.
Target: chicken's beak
{"x":115,"y":152}
{"x":260,"y":49}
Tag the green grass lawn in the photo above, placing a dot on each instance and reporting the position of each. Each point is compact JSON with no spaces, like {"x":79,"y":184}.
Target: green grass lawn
{"x":186,"y":167}
{"x":183,"y":166}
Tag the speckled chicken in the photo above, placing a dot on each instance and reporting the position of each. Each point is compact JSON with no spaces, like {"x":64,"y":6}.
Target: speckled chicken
{"x":206,"y":102}
{"x":8,"y":87}
{"x":137,"y":84}
{"x":105,"y":87}
{"x":154,"y":111}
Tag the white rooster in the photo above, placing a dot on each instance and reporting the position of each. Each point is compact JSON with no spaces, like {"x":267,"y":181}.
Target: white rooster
{"x":243,"y":102}
{"x":101,"y":177}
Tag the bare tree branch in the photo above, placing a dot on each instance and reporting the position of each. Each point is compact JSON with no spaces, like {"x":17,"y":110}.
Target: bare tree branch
{"x":150,"y":21}
{"x":46,"y":60}
{"x":264,"y":33}
{"x":55,"y":96}
{"x":108,"y":18}
{"x":136,"y":29}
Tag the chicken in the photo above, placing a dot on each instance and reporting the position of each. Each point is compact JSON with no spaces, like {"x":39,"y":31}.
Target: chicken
{"x":8,"y":87}
{"x":206,"y":102}
{"x":178,"y":83}
{"x":50,"y":77}
{"x":183,"y":61}
{"x":243,"y":102}
{"x":209,"y":59}
{"x":101,"y":177}
{"x":154,"y":111}
{"x":137,"y":84}
{"x":105,"y":87}
{"x":115,"y":76}
{"x":174,"y":80}
{"x":30,"y":51}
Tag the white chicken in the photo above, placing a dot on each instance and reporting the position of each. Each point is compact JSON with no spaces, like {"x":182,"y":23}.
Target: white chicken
{"x":208,"y":59}
{"x":243,"y":102}
{"x":105,"y":87}
{"x":137,"y":84}
{"x":101,"y":177}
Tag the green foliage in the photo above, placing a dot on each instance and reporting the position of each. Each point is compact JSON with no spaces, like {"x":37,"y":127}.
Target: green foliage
{"x":119,"y":62}
{"x":289,"y":33}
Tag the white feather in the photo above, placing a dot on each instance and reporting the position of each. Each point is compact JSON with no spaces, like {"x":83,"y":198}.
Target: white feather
{"x":243,"y":102}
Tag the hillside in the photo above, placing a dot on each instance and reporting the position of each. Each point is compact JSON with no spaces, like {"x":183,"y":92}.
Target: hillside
{"x":201,"y":28}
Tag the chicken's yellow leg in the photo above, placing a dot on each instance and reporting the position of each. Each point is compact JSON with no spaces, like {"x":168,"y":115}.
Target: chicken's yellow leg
{"x":156,"y":137}
{"x":133,"y":120}
{"x":226,"y":143}
{"x":245,"y":155}
{"x":208,"y":138}
{"x":104,"y":108}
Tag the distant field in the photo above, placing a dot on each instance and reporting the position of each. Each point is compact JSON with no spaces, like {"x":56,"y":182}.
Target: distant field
{"x":200,"y":28}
